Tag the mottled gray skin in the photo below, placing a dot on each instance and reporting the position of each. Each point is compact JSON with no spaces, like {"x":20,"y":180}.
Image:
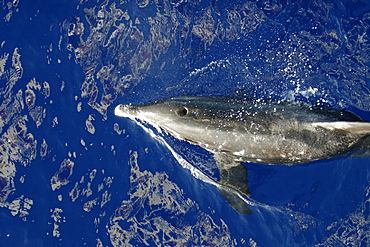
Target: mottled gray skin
{"x":268,"y":132}
{"x":250,"y":131}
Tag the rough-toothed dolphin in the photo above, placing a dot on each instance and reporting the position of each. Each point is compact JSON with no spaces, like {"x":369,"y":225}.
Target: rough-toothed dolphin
{"x":270,"y":132}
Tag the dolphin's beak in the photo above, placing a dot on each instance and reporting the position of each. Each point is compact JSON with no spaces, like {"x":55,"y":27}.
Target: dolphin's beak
{"x":125,"y":111}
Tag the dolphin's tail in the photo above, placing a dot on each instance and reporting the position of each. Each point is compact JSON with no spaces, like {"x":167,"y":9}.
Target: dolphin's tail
{"x":362,"y":148}
{"x":359,"y":129}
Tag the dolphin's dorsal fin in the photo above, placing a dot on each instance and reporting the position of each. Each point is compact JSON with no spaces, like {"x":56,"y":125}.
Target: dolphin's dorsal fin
{"x":233,"y":182}
{"x":357,"y":128}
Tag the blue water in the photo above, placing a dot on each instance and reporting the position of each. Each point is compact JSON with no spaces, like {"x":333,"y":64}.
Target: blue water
{"x":74,"y":174}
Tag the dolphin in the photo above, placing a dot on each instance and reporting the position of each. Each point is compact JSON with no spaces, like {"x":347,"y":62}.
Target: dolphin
{"x":260,"y":131}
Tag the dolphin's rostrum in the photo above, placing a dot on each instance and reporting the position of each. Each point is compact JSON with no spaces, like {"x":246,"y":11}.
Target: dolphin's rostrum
{"x":270,"y":132}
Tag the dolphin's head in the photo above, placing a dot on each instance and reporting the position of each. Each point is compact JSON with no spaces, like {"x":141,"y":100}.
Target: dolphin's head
{"x":161,"y":111}
{"x":183,"y":117}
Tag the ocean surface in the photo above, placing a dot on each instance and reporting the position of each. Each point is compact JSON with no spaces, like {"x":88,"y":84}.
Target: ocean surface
{"x":74,"y":174}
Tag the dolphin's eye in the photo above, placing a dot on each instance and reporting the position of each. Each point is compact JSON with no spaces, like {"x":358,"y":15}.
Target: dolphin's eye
{"x":182,"y":112}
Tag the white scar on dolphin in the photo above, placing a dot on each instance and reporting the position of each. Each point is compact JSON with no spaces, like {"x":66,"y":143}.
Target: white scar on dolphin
{"x":269,"y":132}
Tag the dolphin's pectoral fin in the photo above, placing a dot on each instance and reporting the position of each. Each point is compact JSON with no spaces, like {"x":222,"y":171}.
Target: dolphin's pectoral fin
{"x":232,"y":173}
{"x":233,"y":182}
{"x":236,"y":178}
